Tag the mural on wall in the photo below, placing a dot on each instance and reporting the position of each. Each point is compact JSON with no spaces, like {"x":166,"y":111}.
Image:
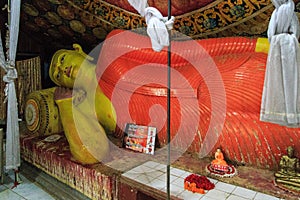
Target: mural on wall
{"x":89,"y":21}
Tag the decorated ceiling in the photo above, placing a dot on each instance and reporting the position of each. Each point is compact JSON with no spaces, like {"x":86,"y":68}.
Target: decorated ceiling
{"x":87,"y":22}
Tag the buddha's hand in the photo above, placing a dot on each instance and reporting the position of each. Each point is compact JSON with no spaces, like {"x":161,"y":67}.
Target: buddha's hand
{"x":61,"y":93}
{"x":77,"y":95}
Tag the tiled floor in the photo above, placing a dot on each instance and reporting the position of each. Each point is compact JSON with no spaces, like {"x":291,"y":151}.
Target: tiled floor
{"x":27,"y":190}
{"x":153,"y":174}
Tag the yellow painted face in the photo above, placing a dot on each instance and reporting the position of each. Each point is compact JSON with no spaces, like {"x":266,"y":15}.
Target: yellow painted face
{"x":65,"y":65}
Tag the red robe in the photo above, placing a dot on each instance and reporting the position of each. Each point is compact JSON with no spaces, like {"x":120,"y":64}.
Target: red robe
{"x":216,"y":89}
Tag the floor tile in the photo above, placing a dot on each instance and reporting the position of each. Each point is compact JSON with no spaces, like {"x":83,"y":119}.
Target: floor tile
{"x":164,"y":178}
{"x":174,"y":190}
{"x":208,"y":198}
{"x":144,"y":179}
{"x":234,"y":197}
{"x":186,"y":174}
{"x":31,"y":191}
{"x":217,"y":194}
{"x":244,"y":192}
{"x":161,"y":167}
{"x":158,"y":184}
{"x":261,"y":196}
{"x":154,"y":175}
{"x":9,"y":195}
{"x":225,"y":187}
{"x":2,"y":188}
{"x":176,"y":172}
{"x":178,"y":182}
{"x":188,"y":195}
{"x":214,"y":181}
{"x":131,"y":175}
{"x":38,"y":195}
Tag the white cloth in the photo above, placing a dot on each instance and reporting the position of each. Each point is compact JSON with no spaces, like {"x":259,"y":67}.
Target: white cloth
{"x":139,"y":5}
{"x":12,"y":130}
{"x":283,"y":19}
{"x":281,"y":92}
{"x":157,"y":25}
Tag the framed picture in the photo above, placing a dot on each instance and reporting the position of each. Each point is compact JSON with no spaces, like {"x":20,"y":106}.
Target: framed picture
{"x":139,"y":138}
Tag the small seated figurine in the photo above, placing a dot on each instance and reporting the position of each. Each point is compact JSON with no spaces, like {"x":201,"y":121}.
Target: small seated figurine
{"x":219,"y":163}
{"x":219,"y":167}
{"x":288,"y":175}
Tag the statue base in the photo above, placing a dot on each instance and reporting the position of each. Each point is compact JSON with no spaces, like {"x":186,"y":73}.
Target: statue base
{"x":230,"y":172}
{"x":287,"y":188}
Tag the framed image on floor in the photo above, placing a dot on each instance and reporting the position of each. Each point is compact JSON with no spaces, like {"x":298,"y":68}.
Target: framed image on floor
{"x":139,"y":138}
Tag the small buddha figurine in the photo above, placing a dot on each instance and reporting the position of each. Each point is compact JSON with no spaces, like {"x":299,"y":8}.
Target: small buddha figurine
{"x":289,"y":172}
{"x":219,"y":163}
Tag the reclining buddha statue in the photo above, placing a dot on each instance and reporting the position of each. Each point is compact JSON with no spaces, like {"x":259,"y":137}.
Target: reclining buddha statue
{"x":215,"y":96}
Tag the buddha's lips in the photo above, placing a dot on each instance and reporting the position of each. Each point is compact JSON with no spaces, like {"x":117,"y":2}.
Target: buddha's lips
{"x":68,"y":72}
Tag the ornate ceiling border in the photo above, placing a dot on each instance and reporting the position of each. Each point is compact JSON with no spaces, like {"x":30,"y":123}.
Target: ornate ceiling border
{"x":89,"y":21}
{"x":210,"y":20}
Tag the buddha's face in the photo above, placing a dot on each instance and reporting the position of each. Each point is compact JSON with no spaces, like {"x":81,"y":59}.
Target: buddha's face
{"x":290,"y":152}
{"x":64,"y":67}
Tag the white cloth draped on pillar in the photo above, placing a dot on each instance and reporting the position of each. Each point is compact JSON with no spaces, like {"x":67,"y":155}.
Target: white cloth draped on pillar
{"x":8,"y":64}
{"x":281,"y":92}
{"x":157,"y":25}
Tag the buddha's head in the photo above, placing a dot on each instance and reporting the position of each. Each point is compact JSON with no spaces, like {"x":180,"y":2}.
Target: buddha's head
{"x":290,"y":151}
{"x":65,"y":65}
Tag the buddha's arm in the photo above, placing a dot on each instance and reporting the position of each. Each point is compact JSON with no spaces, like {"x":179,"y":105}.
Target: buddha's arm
{"x":98,"y":101}
{"x":86,"y":137}
{"x":298,"y":166}
{"x":105,"y":111}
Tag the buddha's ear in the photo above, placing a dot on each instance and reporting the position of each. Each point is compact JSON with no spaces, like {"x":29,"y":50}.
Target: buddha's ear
{"x":78,"y":48}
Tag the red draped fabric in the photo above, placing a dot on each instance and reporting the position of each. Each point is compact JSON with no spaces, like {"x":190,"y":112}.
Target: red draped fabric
{"x":243,"y":138}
